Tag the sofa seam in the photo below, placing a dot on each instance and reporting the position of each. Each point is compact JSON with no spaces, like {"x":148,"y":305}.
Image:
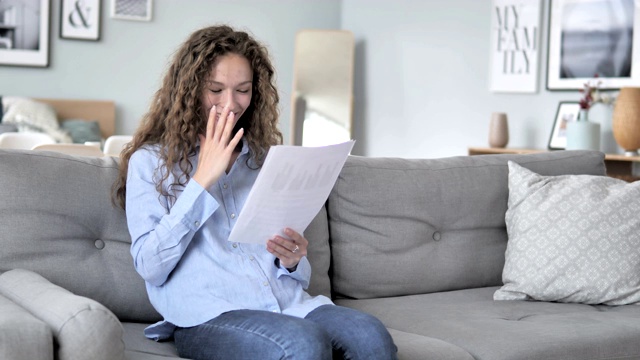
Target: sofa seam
{"x":510,"y":158}
{"x":67,"y":159}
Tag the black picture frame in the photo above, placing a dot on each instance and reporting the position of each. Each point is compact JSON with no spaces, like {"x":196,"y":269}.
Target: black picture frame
{"x":80,"y":19}
{"x":567,"y":111}
{"x":587,"y":37}
{"x":24,"y":33}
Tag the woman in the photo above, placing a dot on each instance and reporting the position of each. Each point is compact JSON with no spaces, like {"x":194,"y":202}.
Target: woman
{"x":183,"y":180}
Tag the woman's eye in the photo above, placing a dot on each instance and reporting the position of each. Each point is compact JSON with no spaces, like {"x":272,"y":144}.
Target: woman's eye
{"x":216,"y":91}
{"x":243,"y":91}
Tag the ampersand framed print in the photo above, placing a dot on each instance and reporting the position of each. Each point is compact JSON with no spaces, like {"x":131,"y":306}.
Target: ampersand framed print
{"x":80,"y":19}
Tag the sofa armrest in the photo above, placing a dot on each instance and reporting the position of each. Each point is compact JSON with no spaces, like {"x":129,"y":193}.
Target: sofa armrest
{"x":23,"y":336}
{"x":83,"y":328}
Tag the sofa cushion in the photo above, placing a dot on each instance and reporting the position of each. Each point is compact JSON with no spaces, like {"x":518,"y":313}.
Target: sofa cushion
{"x":22,"y":335}
{"x":319,"y":254}
{"x":572,"y":239}
{"x":57,"y":219}
{"x":510,"y":330}
{"x":83,"y":328}
{"x":137,"y":345}
{"x":401,"y":226}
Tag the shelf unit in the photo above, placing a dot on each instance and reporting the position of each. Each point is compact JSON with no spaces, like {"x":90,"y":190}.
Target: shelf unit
{"x":618,"y":166}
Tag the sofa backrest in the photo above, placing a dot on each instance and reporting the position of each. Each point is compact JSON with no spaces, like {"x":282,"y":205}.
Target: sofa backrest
{"x":403,"y":226}
{"x":57,"y":219}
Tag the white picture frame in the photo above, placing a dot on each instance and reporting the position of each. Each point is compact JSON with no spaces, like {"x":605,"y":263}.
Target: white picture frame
{"x":24,"y":38}
{"x":589,"y":37}
{"x":138,"y":10}
{"x":80,"y":19}
{"x":515,"y":45}
{"x":567,"y":112}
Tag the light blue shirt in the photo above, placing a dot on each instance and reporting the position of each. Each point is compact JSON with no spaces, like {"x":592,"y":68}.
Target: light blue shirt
{"x":180,"y":248}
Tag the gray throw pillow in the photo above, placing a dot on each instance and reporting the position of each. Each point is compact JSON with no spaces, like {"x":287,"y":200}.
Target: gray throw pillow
{"x":572,"y":238}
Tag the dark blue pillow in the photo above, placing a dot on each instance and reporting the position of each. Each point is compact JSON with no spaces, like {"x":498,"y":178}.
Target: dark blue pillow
{"x":82,"y":131}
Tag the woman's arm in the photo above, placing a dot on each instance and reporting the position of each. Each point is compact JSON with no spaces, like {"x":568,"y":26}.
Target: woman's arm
{"x":159,"y":236}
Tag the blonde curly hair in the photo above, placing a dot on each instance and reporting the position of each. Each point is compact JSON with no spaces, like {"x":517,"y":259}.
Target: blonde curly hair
{"x":175,"y":119}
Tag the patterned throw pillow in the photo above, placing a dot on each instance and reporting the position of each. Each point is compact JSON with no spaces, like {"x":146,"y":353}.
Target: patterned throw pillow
{"x":572,"y":238}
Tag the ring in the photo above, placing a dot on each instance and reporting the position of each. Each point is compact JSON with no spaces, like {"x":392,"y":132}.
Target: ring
{"x":296,"y":249}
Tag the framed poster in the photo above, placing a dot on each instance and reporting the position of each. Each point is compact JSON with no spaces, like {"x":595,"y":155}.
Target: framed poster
{"x":567,"y":112}
{"x":24,"y":33}
{"x":589,"y":37}
{"x":131,"y":9}
{"x":80,"y":19}
{"x":515,"y":43}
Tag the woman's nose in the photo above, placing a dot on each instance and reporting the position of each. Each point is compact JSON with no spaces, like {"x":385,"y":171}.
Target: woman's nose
{"x":229,"y":100}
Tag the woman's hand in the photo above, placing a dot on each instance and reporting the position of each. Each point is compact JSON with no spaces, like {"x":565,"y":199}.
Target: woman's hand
{"x":215,"y":147}
{"x":288,"y":251}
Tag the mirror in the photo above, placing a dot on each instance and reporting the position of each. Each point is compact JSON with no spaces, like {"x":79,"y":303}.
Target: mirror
{"x":322,"y":97}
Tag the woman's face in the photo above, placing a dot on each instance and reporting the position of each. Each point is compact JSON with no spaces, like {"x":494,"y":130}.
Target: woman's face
{"x":228,"y":84}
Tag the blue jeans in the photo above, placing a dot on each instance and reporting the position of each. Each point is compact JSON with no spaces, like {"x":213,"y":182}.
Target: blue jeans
{"x":327,"y":331}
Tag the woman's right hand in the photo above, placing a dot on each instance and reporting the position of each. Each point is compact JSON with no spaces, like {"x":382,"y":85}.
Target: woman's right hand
{"x":215,"y":147}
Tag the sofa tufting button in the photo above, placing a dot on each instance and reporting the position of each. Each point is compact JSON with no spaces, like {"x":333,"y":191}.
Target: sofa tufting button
{"x":99,"y":244}
{"x":436,"y":236}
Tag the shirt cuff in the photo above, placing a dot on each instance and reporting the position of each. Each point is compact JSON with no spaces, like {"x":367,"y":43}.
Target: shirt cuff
{"x":302,"y":273}
{"x":196,"y":205}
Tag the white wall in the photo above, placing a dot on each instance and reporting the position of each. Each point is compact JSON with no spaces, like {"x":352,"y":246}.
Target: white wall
{"x":128,"y":62}
{"x":422,"y":81}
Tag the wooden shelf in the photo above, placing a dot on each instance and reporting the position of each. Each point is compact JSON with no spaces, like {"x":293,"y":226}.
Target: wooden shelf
{"x":618,"y":165}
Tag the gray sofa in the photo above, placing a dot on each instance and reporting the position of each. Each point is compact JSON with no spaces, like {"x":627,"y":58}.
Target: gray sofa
{"x":418,"y":243}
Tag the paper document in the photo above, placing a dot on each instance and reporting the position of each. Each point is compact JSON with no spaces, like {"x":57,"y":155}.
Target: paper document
{"x":292,"y":186}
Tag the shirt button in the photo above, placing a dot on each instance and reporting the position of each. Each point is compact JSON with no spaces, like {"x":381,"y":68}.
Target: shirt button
{"x":196,"y":223}
{"x":266,"y":283}
{"x":235,"y":245}
{"x":224,"y":186}
{"x":251,"y":258}
{"x":233,"y":216}
{"x":275,"y":311}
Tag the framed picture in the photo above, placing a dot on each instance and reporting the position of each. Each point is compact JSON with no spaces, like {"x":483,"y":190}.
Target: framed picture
{"x":139,"y":10}
{"x":80,"y":19}
{"x":24,"y":32}
{"x":515,"y":43}
{"x":567,"y":112}
{"x":589,"y":37}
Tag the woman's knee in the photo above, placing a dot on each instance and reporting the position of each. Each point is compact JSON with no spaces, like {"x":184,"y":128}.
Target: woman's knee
{"x":247,"y":335}
{"x":357,"y":334}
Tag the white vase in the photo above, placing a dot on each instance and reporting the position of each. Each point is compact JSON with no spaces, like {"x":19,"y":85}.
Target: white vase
{"x":583,"y":134}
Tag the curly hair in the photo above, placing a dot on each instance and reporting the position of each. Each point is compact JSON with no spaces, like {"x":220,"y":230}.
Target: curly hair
{"x":174,"y":118}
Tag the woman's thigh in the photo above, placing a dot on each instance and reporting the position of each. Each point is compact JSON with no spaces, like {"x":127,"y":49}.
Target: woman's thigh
{"x":251,"y":334}
{"x":355,"y":334}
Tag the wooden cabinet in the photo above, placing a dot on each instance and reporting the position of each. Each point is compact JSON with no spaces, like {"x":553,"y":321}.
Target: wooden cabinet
{"x":618,"y":166}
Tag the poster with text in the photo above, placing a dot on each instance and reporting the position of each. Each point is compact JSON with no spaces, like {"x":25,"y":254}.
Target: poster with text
{"x":515,"y":45}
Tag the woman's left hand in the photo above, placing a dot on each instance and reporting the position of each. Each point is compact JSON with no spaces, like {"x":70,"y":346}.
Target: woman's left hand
{"x":290,"y":250}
